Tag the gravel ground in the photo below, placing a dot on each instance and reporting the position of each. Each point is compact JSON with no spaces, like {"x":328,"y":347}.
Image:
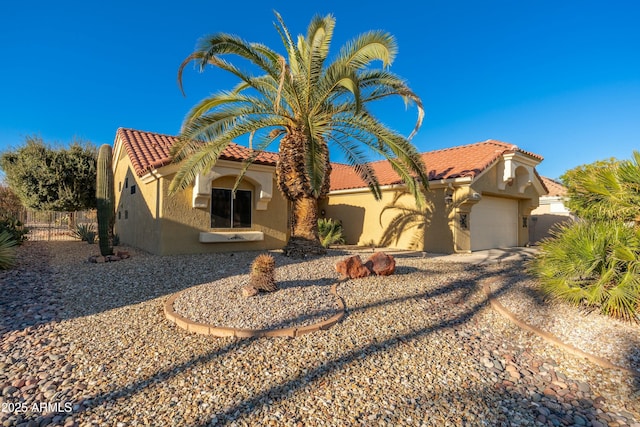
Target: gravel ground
{"x":88,"y":344}
{"x":304,"y":298}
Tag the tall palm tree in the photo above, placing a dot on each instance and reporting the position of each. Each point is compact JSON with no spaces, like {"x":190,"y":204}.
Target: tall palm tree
{"x":306,"y":103}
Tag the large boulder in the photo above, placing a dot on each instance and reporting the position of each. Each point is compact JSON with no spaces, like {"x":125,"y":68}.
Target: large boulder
{"x":352,"y":268}
{"x":381,"y":264}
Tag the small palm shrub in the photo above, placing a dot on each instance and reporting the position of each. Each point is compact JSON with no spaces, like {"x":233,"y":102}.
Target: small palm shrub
{"x":593,"y":264}
{"x":91,"y":237}
{"x":330,"y":232}
{"x":82,"y":231}
{"x":15,"y":229}
{"x":263,"y":273}
{"x":7,"y":250}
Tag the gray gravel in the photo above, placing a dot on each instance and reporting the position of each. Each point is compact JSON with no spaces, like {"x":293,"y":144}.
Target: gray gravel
{"x":421,"y":347}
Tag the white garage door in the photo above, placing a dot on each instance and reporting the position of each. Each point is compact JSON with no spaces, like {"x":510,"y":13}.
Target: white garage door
{"x":494,"y":223}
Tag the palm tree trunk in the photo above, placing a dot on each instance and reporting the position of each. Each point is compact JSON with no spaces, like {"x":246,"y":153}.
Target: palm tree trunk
{"x":304,"y":238}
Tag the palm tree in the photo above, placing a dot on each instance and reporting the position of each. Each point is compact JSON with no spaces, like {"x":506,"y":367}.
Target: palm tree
{"x":595,"y":262}
{"x":606,"y":190}
{"x":306,"y":103}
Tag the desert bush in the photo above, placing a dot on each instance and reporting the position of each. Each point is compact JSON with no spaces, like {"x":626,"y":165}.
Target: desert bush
{"x":15,"y":229}
{"x":82,"y":231}
{"x":594,"y":264}
{"x":330,"y":232}
{"x":7,"y":250}
{"x":263,"y":273}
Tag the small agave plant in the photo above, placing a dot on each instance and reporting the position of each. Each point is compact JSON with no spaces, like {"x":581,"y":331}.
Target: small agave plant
{"x":7,"y":251}
{"x":263,"y":273}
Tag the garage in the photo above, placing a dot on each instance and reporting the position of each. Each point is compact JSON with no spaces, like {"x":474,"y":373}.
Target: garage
{"x":494,"y":223}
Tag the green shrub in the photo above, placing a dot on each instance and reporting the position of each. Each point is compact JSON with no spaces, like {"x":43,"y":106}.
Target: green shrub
{"x":82,"y":231}
{"x":7,"y":250}
{"x":91,"y":237}
{"x":116,"y":240}
{"x":330,"y":232}
{"x":15,"y":229}
{"x":594,"y":265}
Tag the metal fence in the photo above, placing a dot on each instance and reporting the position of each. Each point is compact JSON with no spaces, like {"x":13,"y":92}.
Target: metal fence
{"x":50,"y":225}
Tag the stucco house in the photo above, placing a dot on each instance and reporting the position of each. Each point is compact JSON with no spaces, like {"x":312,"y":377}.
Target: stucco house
{"x":551,"y":211}
{"x":203,"y":218}
{"x":481,"y":197}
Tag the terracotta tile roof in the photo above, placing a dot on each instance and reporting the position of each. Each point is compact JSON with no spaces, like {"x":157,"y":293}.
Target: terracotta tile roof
{"x":148,"y":150}
{"x":555,"y":188}
{"x":456,"y":162}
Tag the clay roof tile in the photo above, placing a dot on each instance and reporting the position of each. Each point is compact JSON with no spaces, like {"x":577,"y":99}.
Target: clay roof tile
{"x":448,"y":163}
{"x":148,"y":150}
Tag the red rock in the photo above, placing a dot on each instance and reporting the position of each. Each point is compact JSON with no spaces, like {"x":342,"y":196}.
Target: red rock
{"x":352,"y":267}
{"x":123,"y":254}
{"x":381,"y":264}
{"x":549,"y":392}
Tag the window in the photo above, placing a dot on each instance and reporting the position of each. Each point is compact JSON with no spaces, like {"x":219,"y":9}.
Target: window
{"x":228,"y":211}
{"x":133,"y":189}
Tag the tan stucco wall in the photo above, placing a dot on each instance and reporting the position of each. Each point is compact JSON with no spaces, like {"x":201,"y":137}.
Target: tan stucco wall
{"x":487,"y":184}
{"x":369,"y":222}
{"x":364,"y":221}
{"x":182,"y":224}
{"x":161,"y":224}
{"x":550,"y":214}
{"x":136,"y":213}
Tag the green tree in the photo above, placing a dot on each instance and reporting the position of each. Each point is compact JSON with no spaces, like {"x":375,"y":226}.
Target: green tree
{"x":10,"y":205}
{"x":48,"y":178}
{"x":595,"y":262}
{"x":605,"y":190}
{"x":305,"y":103}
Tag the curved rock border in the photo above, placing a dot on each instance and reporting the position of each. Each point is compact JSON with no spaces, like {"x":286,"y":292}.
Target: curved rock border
{"x":497,"y":306}
{"x":223,"y":331}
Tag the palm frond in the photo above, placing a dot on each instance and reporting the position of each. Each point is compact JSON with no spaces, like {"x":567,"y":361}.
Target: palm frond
{"x":374,"y":45}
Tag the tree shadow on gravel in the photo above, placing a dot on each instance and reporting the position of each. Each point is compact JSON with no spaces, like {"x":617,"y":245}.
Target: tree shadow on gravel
{"x":29,"y":294}
{"x":456,"y":291}
{"x":555,"y":407}
{"x":302,"y":283}
{"x":518,"y":401}
{"x":35,"y":294}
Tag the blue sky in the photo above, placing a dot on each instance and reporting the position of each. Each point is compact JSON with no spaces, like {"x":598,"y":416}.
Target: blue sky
{"x":558,"y":78}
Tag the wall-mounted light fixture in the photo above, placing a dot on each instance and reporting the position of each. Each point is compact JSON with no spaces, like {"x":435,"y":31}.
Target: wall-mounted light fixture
{"x":464,"y":221}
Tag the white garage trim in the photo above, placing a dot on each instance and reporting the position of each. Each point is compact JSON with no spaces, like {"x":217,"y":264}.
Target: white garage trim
{"x":494,"y":223}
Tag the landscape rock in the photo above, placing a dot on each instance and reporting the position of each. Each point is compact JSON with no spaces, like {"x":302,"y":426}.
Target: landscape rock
{"x":381,"y":264}
{"x":352,"y":268}
{"x":249,"y":291}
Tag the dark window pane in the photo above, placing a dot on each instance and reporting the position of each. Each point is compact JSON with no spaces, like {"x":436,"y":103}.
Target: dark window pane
{"x":220,"y":208}
{"x":242,"y":209}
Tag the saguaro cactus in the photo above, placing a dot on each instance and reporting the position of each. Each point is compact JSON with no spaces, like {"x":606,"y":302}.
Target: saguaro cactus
{"x":105,"y":200}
